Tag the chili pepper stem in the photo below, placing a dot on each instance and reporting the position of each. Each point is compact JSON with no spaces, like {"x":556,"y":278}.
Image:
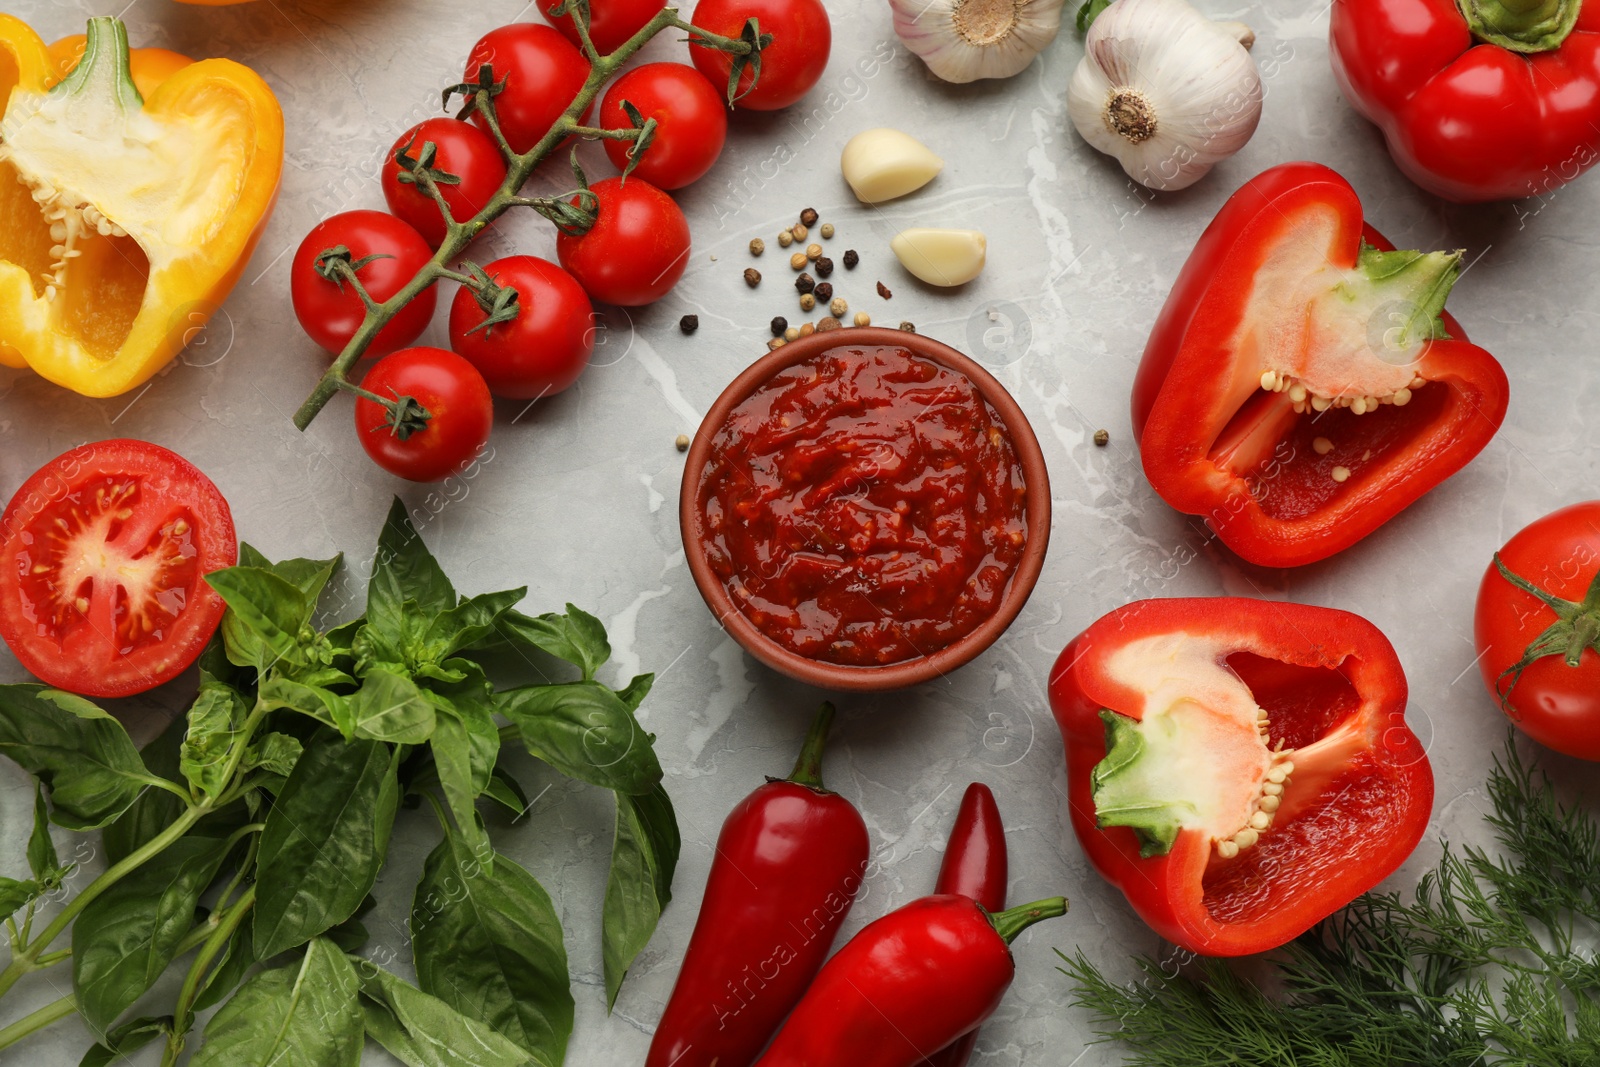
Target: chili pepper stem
{"x":1522,"y":25}
{"x":1011,"y":922}
{"x":808,"y":768}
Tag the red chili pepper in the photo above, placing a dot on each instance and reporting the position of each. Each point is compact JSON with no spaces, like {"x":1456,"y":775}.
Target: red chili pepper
{"x":1303,"y":384}
{"x":1240,"y":769}
{"x":1478,"y":99}
{"x":789,"y":862}
{"x":974,"y":867}
{"x":908,"y":984}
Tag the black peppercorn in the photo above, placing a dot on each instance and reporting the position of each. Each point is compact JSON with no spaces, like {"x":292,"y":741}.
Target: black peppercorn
{"x":824,"y":292}
{"x":851,"y":259}
{"x":779,"y":324}
{"x":808,"y":217}
{"x":824,"y":266}
{"x":805,"y":283}
{"x":752,"y":277}
{"x":689,"y":323}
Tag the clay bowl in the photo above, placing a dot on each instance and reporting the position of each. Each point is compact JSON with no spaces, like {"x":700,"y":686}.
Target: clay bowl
{"x":907,"y":672}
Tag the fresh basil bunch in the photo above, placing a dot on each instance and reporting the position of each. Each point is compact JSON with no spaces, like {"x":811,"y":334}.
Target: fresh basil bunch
{"x":251,"y":833}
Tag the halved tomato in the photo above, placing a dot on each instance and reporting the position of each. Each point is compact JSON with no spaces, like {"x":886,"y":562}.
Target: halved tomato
{"x":103,"y":557}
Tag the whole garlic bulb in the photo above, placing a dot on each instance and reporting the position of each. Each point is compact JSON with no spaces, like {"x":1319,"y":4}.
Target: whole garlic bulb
{"x":1166,"y":90}
{"x":964,"y":40}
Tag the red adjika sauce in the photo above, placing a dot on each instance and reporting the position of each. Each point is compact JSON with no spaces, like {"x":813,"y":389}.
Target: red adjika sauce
{"x":864,"y":507}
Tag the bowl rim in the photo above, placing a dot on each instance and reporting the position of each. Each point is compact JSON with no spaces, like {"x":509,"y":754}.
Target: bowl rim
{"x":841,"y":677}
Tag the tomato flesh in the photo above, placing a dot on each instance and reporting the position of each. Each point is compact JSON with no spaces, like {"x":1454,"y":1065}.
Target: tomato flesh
{"x":106,"y":551}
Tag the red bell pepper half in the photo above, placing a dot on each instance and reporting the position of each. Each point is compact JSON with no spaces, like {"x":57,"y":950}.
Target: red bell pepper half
{"x":1478,"y":99}
{"x":1240,"y":769}
{"x":1303,"y":384}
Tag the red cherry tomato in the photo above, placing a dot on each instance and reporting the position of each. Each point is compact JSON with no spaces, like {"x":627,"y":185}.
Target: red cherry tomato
{"x":103,"y":558}
{"x":1553,"y":702}
{"x":460,"y":414}
{"x":611,"y":22}
{"x":542,"y":350}
{"x":462,"y":150}
{"x":542,"y":75}
{"x":637,"y":249}
{"x":332,"y":313}
{"x":691,"y":122}
{"x":790,"y":66}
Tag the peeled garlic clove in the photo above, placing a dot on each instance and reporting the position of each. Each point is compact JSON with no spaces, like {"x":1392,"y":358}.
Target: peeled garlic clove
{"x":882,"y":164}
{"x":942,"y":257}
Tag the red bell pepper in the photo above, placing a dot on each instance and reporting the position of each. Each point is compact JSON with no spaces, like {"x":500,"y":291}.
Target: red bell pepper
{"x":975,"y":867}
{"x":789,"y":862}
{"x":909,"y":983}
{"x":1478,"y":99}
{"x":1240,"y":769}
{"x":1303,"y":384}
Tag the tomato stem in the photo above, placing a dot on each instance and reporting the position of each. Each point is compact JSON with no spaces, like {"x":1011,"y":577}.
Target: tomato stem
{"x":520,"y":168}
{"x":1576,"y":630}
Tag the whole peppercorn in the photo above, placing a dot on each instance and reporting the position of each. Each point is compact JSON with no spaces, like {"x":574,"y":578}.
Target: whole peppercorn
{"x":824,"y":291}
{"x":785,"y":239}
{"x":792,"y":334}
{"x":806,"y":329}
{"x":863,"y":319}
{"x":808,"y":217}
{"x":838,"y":307}
{"x":883,"y":291}
{"x":829,"y":323}
{"x":805,"y":283}
{"x":798,"y":261}
{"x":1102,"y":438}
{"x":824,"y":266}
{"x":813,"y":252}
{"x":752,"y":277}
{"x":775,"y":344}
{"x":799,"y":231}
{"x":851,"y":259}
{"x":827,"y":230}
{"x":779,"y":324}
{"x":689,"y":323}
{"x":807,"y":301}
{"x":757,"y":246}
{"x":682,"y":442}
{"x":909,"y":327}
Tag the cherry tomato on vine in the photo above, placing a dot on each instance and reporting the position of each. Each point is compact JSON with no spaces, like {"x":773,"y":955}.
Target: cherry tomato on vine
{"x":611,"y":22}
{"x":1542,"y":659}
{"x":544,"y":348}
{"x":462,"y":150}
{"x":542,"y":75}
{"x":691,"y":122}
{"x":790,"y":66}
{"x":332,"y":312}
{"x":637,"y":249}
{"x":459,"y":410}
{"x":102,"y":567}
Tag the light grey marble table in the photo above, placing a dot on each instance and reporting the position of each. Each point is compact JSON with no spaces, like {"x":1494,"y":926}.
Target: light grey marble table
{"x":580,"y":499}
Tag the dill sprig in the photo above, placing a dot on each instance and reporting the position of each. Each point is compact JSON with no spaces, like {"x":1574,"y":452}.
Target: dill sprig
{"x":1491,"y":963}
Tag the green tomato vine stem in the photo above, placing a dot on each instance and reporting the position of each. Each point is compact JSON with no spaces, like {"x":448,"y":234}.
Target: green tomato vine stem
{"x":520,"y":168}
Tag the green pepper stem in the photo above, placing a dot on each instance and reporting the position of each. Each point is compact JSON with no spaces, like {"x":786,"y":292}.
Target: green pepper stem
{"x":1011,"y":922}
{"x":808,"y":768}
{"x":105,"y":71}
{"x":1523,"y":26}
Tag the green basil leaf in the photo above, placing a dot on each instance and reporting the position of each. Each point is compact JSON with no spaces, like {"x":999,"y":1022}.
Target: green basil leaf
{"x":576,"y":637}
{"x":310,"y":576}
{"x":585,"y":731}
{"x":14,"y":895}
{"x":403,"y":570}
{"x":43,"y":860}
{"x":275,"y":753}
{"x":325,"y":840}
{"x":391,"y":708}
{"x":126,"y":1039}
{"x":126,"y":937}
{"x":633,"y":694}
{"x":215,"y":720}
{"x":643,"y":860}
{"x":226,"y":973}
{"x":156,"y":809}
{"x":264,"y":616}
{"x":307,"y":1014}
{"x":81,"y":754}
{"x":452,"y":759}
{"x":330,"y":709}
{"x":424,"y":1031}
{"x":469,"y":622}
{"x":489,"y":944}
{"x":506,"y":791}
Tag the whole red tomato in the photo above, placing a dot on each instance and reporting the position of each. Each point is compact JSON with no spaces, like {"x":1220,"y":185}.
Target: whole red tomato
{"x":459,"y":414}
{"x":332,"y":312}
{"x":790,"y":66}
{"x":462,"y":150}
{"x":691,"y":122}
{"x":542,"y":75}
{"x":103,"y":558}
{"x":1538,"y":631}
{"x":542,"y":350}
{"x":611,"y":22}
{"x":637,"y":249}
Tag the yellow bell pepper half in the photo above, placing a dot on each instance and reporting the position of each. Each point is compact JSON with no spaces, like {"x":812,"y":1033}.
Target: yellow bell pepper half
{"x":125,"y":218}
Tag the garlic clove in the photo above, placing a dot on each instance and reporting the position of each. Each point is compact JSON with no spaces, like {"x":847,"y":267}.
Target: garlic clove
{"x":942,"y":257}
{"x":882,"y":164}
{"x":964,"y":40}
